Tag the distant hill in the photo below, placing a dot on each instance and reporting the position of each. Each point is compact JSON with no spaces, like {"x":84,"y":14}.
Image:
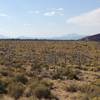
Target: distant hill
{"x":61,"y":37}
{"x":92,"y":37}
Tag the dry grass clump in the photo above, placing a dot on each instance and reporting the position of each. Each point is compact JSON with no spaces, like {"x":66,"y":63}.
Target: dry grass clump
{"x":16,"y":90}
{"x":40,"y":89}
{"x":90,"y":91}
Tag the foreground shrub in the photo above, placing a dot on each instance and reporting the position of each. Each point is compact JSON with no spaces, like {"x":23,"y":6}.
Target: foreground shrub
{"x":15,"y":90}
{"x":72,"y":87}
{"x":4,"y":73}
{"x":96,"y":82}
{"x":72,"y":74}
{"x":79,"y":96}
{"x":21,"y":78}
{"x":47,"y":83}
{"x":41,"y":91}
{"x":90,"y":89}
{"x":65,"y":73}
{"x":95,"y":98}
{"x":3,"y":87}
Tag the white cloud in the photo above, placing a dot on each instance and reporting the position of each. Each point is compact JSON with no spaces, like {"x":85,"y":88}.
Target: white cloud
{"x":91,"y":18}
{"x":54,"y":12}
{"x":48,"y":12}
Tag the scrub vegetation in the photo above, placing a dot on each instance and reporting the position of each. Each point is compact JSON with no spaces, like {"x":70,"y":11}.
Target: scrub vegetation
{"x":49,"y":70}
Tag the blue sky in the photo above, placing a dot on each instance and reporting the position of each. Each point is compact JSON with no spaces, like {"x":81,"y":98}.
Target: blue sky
{"x":49,"y":17}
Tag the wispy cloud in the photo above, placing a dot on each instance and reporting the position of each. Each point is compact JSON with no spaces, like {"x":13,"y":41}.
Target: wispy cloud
{"x":91,"y":18}
{"x":54,"y":12}
{"x":48,"y":12}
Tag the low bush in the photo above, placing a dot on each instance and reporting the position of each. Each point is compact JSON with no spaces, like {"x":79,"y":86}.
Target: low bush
{"x":3,"y":87}
{"x":4,"y":73}
{"x":72,"y":87}
{"x":42,"y":91}
{"x":96,"y":82}
{"x":15,"y":90}
{"x":66,"y":73}
{"x":21,"y":78}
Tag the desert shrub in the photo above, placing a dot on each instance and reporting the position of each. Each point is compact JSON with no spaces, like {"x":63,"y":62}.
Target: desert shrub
{"x":80,"y":96}
{"x":83,"y":88}
{"x":15,"y":90}
{"x":91,"y":90}
{"x":2,"y":60}
{"x":95,"y":69}
{"x":96,"y":82}
{"x":72,"y":87}
{"x":86,"y":88}
{"x":43,"y":65}
{"x":84,"y":97}
{"x":3,"y":87}
{"x":4,"y":73}
{"x":36,"y":65}
{"x":72,"y":74}
{"x":95,"y":98}
{"x":31,"y":86}
{"x":21,"y":78}
{"x":47,"y":83}
{"x":57,"y":74}
{"x":42,"y":91}
{"x":65,"y":73}
{"x":16,"y":64}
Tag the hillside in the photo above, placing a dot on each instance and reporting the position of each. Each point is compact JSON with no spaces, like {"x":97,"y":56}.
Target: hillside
{"x":92,"y":38}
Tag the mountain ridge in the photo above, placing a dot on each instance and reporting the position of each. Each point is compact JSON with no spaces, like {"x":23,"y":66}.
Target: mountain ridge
{"x":95,"y":37}
{"x":82,"y":37}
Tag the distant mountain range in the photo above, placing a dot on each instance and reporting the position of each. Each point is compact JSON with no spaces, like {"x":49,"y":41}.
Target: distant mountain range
{"x":62,"y":37}
{"x":92,"y":37}
{"x":69,"y":37}
{"x":55,"y":37}
{"x":3,"y":37}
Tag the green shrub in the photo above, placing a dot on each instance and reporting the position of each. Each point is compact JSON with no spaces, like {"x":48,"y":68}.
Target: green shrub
{"x":41,"y":91}
{"x":81,"y":96}
{"x":3,"y":87}
{"x":72,"y":87}
{"x":71,"y":74}
{"x":15,"y":90}
{"x":86,"y":88}
{"x":47,"y":83}
{"x":4,"y":73}
{"x":65,"y":73}
{"x":95,"y":98}
{"x":21,"y":78}
{"x":97,"y":82}
{"x":91,"y":90}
